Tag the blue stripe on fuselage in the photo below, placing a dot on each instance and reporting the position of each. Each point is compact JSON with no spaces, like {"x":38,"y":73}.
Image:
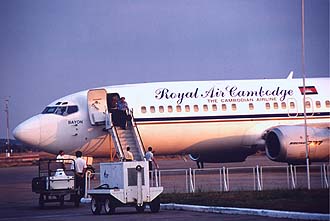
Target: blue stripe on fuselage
{"x":228,"y":117}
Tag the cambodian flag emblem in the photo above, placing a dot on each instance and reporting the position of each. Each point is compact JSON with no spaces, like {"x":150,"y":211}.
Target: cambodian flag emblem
{"x":308,"y":90}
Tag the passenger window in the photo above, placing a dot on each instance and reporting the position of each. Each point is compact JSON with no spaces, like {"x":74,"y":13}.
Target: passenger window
{"x":178,"y":108}
{"x":224,"y":107}
{"x":170,"y":109}
{"x":318,"y":104}
{"x":233,"y":107}
{"x":143,"y":109}
{"x":196,"y":109}
{"x":214,"y":107}
{"x":275,"y":105}
{"x":251,"y":107}
{"x":292,"y":105}
{"x":152,"y":109}
{"x":283,"y":105}
{"x":205,"y":107}
{"x":308,"y":104}
{"x":327,"y":104}
{"x":161,"y":109}
{"x":187,"y":108}
{"x":267,"y":106}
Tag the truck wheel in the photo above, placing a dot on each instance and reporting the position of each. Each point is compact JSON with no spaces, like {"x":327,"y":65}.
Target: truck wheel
{"x":140,"y":209}
{"x":96,"y":206}
{"x":41,"y":201}
{"x":109,"y":208}
{"x":76,"y":200}
{"x":155,"y":205}
{"x":61,"y":199}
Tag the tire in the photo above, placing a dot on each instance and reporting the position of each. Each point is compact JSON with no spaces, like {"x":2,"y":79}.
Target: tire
{"x":61,"y":199}
{"x":96,"y":206}
{"x":76,"y":200}
{"x":155,"y":205}
{"x":109,"y":207}
{"x":140,"y":209}
{"x":41,"y":201}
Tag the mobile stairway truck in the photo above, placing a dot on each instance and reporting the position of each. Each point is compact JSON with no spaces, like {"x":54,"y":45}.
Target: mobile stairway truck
{"x":124,"y":184}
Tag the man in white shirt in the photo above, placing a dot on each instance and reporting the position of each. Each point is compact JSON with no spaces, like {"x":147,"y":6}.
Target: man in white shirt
{"x":60,"y":156}
{"x":80,"y":166}
{"x":150,"y":158}
{"x":60,"y":159}
{"x":128,"y":154}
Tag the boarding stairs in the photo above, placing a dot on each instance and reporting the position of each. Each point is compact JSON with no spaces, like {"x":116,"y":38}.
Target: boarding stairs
{"x":126,"y":137}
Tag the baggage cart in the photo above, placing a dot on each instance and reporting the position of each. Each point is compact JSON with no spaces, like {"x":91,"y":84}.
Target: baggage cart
{"x":56,"y":182}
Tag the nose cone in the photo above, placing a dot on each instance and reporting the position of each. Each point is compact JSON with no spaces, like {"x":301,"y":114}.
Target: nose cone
{"x":28,"y":132}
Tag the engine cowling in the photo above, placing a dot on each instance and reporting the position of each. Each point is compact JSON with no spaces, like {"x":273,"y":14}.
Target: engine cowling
{"x":221,"y":155}
{"x":221,"y":150}
{"x":287,"y":144}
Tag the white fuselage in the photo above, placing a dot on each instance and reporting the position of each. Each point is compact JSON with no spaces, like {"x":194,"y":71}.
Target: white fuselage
{"x":228,"y":117}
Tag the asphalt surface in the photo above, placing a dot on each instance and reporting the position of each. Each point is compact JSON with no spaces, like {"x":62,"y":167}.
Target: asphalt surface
{"x":18,"y":202}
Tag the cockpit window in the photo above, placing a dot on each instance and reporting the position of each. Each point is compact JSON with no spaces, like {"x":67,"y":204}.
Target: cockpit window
{"x":72,"y":109}
{"x":61,"y":110}
{"x":49,"y":110}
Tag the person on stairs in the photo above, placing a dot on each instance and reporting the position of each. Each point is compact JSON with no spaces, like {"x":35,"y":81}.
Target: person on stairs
{"x":128,"y":154}
{"x":123,"y":108}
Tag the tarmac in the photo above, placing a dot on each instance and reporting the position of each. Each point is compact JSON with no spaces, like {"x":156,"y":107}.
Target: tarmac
{"x":18,"y":202}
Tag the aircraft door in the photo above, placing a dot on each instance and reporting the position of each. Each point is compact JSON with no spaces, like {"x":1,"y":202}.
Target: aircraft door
{"x":97,"y":106}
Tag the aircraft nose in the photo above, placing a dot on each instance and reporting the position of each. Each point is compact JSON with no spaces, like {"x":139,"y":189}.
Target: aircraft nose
{"x":28,"y":131}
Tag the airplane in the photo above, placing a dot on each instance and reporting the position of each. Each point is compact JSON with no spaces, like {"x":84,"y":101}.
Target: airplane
{"x":212,"y":121}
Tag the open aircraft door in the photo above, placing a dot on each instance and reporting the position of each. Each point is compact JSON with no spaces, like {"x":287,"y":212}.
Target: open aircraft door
{"x":97,"y":106}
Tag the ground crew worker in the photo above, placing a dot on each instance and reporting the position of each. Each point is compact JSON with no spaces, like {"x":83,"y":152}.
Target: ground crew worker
{"x":80,"y":171}
{"x":60,"y":156}
{"x":129,"y":155}
{"x":150,"y":158}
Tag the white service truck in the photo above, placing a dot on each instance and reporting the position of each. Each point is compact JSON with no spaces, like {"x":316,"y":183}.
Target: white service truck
{"x":124,"y":184}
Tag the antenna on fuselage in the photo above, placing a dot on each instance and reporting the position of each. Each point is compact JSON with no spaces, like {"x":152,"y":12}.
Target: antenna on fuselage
{"x":290,"y":76}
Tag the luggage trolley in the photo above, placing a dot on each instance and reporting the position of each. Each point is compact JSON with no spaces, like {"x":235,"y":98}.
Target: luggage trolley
{"x":124,"y":184}
{"x":56,"y":182}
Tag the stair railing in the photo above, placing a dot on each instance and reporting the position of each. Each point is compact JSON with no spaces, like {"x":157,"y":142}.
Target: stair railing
{"x":113,"y":131}
{"x":137,"y":136}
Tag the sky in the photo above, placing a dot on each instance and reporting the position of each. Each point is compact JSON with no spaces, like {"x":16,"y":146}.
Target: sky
{"x":49,"y":49}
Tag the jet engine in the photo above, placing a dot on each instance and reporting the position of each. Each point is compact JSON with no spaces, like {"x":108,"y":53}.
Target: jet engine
{"x":218,"y":158}
{"x":222,"y":150}
{"x":287,"y":144}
